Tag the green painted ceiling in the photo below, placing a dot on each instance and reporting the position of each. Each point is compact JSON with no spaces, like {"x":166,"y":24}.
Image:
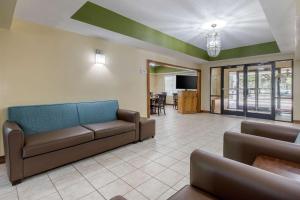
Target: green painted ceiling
{"x":96,"y":15}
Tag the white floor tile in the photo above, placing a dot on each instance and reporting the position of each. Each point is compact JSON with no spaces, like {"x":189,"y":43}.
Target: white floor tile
{"x":118,"y":187}
{"x":122,"y":169}
{"x":134,"y":195}
{"x":136,"y":178}
{"x":166,"y":161}
{"x":93,"y":196}
{"x":167,"y":194}
{"x":76,"y":191}
{"x":169,"y":177}
{"x":152,"y":189}
{"x":153,"y":168}
{"x":101,"y":178}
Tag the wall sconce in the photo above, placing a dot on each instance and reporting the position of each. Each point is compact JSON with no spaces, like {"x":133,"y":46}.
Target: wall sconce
{"x":100,"y":57}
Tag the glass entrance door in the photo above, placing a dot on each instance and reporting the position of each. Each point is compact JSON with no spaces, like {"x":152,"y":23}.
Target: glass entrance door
{"x":233,"y":90}
{"x":259,"y":91}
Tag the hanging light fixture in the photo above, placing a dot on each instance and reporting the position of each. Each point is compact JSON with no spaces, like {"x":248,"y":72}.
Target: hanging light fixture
{"x":213,"y":42}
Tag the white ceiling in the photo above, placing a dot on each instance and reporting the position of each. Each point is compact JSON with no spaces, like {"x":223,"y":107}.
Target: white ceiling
{"x":282,"y":19}
{"x":188,"y":20}
{"x":246,"y":22}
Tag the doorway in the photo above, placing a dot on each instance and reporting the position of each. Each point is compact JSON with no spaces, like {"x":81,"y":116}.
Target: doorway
{"x":157,"y":70}
{"x":261,"y":90}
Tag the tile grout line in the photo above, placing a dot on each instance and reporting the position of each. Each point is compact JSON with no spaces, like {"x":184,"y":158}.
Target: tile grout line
{"x":54,"y":186}
{"x":18,"y":196}
{"x":89,"y":184}
{"x":134,"y":188}
{"x":151,"y":176}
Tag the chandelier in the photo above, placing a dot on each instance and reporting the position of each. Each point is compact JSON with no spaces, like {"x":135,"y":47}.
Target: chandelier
{"x":213,"y":42}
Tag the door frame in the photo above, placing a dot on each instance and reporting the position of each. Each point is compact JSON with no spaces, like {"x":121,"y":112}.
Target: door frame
{"x":270,"y":116}
{"x":199,"y":78}
{"x":228,"y":112}
{"x":220,"y":67}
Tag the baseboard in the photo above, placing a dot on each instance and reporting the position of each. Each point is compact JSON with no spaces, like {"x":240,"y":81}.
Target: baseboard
{"x":2,"y":159}
{"x":296,"y":121}
{"x":205,"y":111}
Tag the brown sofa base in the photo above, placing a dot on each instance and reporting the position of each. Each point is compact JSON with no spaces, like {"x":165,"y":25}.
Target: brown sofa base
{"x":44,"y":162}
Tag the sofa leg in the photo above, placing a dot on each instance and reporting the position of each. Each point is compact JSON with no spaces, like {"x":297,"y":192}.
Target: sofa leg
{"x":16,"y":182}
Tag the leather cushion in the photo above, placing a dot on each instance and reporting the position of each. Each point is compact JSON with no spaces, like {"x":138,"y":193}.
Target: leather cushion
{"x":97,"y":112}
{"x":191,"y":193}
{"x":111,"y":128}
{"x":55,"y":140}
{"x":297,"y":141}
{"x":44,"y":118}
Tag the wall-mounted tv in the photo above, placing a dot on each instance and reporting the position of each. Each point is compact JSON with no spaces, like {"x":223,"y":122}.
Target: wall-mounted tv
{"x":186,"y":82}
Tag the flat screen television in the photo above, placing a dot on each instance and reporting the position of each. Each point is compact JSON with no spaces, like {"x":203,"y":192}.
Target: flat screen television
{"x":186,"y":82}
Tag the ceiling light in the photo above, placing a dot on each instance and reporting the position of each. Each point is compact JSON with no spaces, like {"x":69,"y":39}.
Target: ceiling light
{"x":208,"y":25}
{"x":100,"y":57}
{"x":213,"y":42}
{"x":152,"y":64}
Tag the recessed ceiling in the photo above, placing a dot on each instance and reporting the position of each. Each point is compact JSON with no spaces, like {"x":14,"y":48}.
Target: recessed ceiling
{"x":243,"y":21}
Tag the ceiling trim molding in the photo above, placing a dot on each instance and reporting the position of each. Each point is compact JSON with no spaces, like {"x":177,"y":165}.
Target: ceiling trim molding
{"x":164,"y":69}
{"x":93,"y":14}
{"x":247,"y":51}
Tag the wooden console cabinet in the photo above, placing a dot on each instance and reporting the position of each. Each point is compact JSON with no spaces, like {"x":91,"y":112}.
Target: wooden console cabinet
{"x":187,"y":102}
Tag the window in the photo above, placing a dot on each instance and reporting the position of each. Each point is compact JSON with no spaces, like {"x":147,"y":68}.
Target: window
{"x":170,"y":85}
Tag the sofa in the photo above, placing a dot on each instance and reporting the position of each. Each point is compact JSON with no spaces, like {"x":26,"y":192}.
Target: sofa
{"x":271,"y":131}
{"x":215,"y":177}
{"x":42,"y":137}
{"x":262,"y":139}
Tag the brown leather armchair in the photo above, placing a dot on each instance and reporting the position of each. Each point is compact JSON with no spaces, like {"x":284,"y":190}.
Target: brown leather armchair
{"x":283,"y":133}
{"x":261,"y":139}
{"x":245,"y":148}
{"x":216,"y":177}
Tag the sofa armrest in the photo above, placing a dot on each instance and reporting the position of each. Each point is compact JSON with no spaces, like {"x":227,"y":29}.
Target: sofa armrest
{"x":272,"y":131}
{"x":130,"y":116}
{"x":245,"y":148}
{"x":13,"y":138}
{"x":228,"y":179}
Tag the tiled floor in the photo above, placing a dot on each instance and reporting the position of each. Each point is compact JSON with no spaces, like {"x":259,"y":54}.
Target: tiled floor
{"x":153,"y":169}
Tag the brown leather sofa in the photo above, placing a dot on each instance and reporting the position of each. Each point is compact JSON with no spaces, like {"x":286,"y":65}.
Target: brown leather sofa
{"x":30,"y":153}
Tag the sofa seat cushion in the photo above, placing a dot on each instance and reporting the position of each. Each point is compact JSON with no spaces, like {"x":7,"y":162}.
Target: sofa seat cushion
{"x":108,"y":129}
{"x":55,"y":140}
{"x":191,"y":193}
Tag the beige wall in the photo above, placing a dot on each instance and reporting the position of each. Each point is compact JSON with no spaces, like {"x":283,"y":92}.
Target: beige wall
{"x":296,"y":105}
{"x":40,"y":65}
{"x":205,"y":69}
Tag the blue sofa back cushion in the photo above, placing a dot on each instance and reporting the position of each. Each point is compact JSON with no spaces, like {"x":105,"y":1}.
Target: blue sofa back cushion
{"x":97,"y":112}
{"x":44,"y":118}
